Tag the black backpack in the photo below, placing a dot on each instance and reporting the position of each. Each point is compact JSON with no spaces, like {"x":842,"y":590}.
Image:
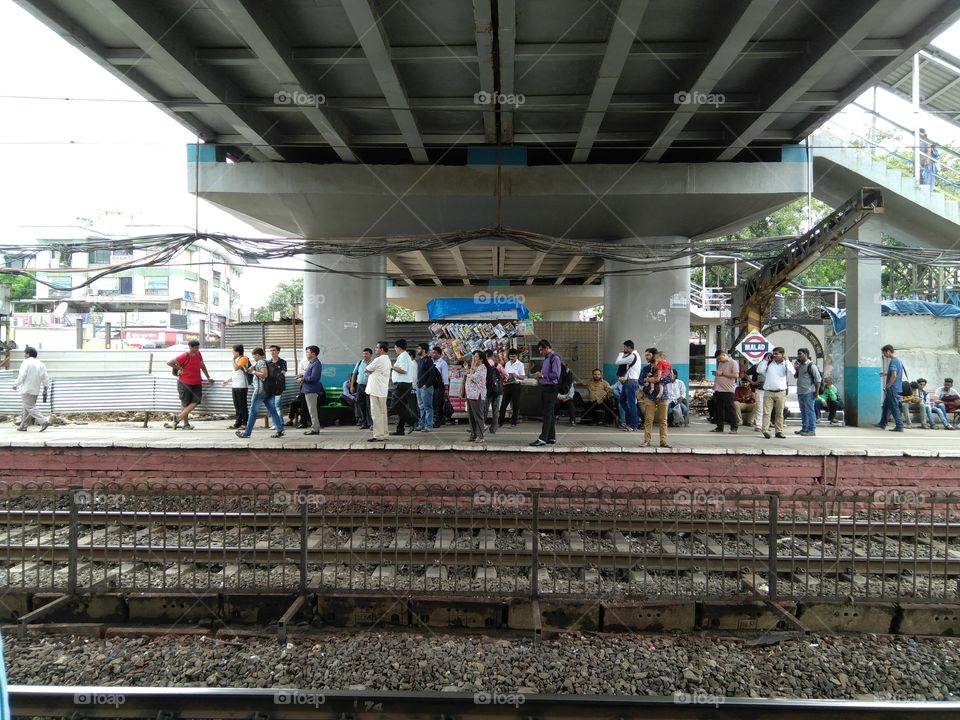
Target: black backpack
{"x":622,"y":369}
{"x":566,"y":380}
{"x":274,"y":383}
{"x":494,"y":381}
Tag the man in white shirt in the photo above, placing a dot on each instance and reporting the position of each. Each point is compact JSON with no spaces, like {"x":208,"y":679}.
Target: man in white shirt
{"x":31,"y":380}
{"x":404,"y":374}
{"x":378,"y":383}
{"x":511,"y":390}
{"x":775,"y":392}
{"x":630,"y":378}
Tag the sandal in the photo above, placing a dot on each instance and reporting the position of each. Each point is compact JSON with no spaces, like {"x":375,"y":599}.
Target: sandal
{"x":173,"y":424}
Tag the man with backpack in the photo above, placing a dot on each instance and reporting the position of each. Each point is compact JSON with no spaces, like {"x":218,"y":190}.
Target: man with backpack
{"x":628,"y":370}
{"x":892,"y":386}
{"x":266,"y":381}
{"x":808,"y":387}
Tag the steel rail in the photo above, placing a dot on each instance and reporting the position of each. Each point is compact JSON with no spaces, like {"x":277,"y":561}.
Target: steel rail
{"x":279,"y":704}
{"x":804,"y":527}
{"x":603,"y":558}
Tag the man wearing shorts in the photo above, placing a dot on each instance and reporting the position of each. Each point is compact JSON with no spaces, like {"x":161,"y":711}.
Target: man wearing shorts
{"x":188,"y":367}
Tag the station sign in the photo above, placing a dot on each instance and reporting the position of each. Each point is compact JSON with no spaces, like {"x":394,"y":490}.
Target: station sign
{"x":754,"y":346}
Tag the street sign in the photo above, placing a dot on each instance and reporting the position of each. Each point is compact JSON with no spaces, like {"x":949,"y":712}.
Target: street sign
{"x":754,"y":346}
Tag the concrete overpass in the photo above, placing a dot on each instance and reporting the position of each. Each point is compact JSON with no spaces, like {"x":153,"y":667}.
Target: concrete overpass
{"x":569,"y":118}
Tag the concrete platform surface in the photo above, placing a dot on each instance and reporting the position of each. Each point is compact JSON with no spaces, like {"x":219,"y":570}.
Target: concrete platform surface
{"x":695,"y":439}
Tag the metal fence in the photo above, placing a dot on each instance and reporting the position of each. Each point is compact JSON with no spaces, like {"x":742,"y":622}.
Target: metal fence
{"x":418,"y":539}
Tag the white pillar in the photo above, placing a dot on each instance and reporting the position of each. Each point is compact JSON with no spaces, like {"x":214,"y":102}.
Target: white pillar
{"x":342,"y":314}
{"x":652,"y":310}
{"x":863,"y":362}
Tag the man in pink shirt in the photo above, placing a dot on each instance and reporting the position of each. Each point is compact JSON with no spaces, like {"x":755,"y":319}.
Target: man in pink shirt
{"x":726,"y":376}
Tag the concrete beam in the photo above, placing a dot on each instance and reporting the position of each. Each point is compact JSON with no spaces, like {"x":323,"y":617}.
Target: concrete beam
{"x":539,"y":298}
{"x":846,"y":27}
{"x":543,"y":52}
{"x":506,"y":57}
{"x":373,"y":39}
{"x":257,"y":28}
{"x":935,"y":23}
{"x":173,"y":52}
{"x":535,"y":267}
{"x":712,"y":71}
{"x":461,"y":265}
{"x":425,"y":262}
{"x":567,"y":269}
{"x":483,"y":30}
{"x":622,"y":34}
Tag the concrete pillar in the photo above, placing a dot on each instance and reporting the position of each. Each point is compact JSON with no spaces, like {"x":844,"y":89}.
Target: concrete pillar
{"x":652,"y":310}
{"x":562,"y":315}
{"x":342,"y":314}
{"x":861,"y":347}
{"x":710,"y":349}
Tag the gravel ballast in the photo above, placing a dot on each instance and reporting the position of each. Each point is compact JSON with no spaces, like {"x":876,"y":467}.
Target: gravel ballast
{"x":854,"y":668}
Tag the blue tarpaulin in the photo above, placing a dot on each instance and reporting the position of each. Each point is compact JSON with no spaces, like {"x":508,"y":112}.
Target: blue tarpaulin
{"x":482,"y":302}
{"x":898,"y":307}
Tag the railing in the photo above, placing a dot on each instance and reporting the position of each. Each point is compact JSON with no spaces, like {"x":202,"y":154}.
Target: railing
{"x":471,"y":540}
{"x":895,"y":142}
{"x":711,"y":299}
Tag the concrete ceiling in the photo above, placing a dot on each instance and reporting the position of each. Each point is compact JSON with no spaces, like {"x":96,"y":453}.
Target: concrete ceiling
{"x":582,"y":81}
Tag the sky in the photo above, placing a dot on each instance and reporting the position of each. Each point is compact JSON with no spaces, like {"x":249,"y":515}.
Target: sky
{"x":65,"y":159}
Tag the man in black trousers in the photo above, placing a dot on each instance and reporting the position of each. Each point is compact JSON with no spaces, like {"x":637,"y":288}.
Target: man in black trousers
{"x":549,"y":377}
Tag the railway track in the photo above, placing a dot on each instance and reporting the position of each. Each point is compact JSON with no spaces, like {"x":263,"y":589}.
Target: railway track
{"x":217,"y":703}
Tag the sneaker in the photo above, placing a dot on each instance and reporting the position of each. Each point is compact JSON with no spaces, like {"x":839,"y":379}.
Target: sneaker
{"x":766,"y":435}
{"x":312,"y":432}
{"x":45,"y":426}
{"x":733,"y":432}
{"x":949,"y":427}
{"x":896,"y":429}
{"x":277,"y":434}
{"x":537,"y":443}
{"x":878,"y":425}
{"x":241,"y":434}
{"x":781,"y":436}
{"x":717,"y":430}
{"x":834,"y":422}
{"x":21,"y":429}
{"x":799,"y":432}
{"x":551,"y":442}
{"x":807,"y":433}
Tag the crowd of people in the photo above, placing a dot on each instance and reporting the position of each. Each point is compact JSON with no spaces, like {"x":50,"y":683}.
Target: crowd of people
{"x":489,"y":382}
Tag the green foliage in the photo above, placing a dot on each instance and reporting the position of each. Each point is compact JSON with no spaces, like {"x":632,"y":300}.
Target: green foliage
{"x":395,"y":313}
{"x":22,"y":287}
{"x":283,"y":299}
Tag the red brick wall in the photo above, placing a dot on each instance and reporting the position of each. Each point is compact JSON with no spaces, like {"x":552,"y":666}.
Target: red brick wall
{"x":69,"y":466}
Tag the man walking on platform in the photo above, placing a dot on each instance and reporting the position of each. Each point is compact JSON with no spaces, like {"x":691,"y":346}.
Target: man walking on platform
{"x":726,"y":374}
{"x":31,"y":381}
{"x":775,"y":392}
{"x":378,"y":383}
{"x":893,"y":382}
{"x":187,"y":367}
{"x":549,"y":377}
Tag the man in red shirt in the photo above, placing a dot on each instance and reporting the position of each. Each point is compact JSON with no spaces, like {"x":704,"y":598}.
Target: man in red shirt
{"x":745,"y":403}
{"x":187,"y":368}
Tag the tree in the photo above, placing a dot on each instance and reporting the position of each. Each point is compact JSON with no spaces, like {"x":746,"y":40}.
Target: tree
{"x":395,"y":313}
{"x":22,"y":287}
{"x":283,"y":299}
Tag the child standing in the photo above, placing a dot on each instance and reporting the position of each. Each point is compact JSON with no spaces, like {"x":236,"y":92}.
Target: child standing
{"x":662,"y":371}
